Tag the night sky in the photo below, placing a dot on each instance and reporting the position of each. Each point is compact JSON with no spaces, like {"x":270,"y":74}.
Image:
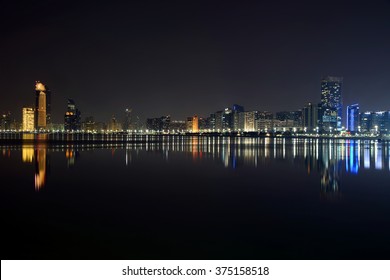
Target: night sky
{"x":192,"y":57}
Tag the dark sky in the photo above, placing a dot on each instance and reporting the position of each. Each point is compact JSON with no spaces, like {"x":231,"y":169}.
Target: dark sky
{"x":192,"y":57}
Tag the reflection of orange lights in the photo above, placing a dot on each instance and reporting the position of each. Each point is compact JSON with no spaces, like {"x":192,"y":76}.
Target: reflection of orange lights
{"x":40,"y":174}
{"x":194,"y":147}
{"x":69,"y":153}
{"x":27,"y":154}
{"x":39,"y":181}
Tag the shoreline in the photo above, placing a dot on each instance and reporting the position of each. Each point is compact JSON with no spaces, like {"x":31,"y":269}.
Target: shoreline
{"x":92,"y":138}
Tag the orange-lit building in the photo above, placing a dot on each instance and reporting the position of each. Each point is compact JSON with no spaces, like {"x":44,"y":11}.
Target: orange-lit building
{"x":195,"y":123}
{"x":42,"y":106}
{"x":28,"y":119}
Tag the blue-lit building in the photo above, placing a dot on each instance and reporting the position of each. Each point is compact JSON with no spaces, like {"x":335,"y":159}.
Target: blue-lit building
{"x":331,"y":103}
{"x":353,"y":118}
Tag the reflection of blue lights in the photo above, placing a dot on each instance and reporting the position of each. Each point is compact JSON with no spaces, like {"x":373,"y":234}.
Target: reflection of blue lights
{"x":353,"y":159}
{"x":367,"y":162}
{"x":378,"y":158}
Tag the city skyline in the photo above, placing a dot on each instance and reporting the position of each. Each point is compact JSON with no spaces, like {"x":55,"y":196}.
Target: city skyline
{"x":124,"y":113}
{"x":159,"y":58}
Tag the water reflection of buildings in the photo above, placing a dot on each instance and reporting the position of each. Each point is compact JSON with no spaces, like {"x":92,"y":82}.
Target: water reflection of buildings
{"x":28,"y":154}
{"x":71,"y":154}
{"x":37,"y":155}
{"x":328,"y":158}
{"x":40,"y":167}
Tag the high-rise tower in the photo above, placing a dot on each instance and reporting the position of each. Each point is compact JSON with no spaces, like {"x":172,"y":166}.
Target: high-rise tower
{"x":331,"y":103}
{"x":353,"y":117}
{"x":42,"y":106}
{"x":72,"y":117}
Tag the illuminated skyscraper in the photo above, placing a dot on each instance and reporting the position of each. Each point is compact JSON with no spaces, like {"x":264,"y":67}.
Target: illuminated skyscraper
{"x":28,"y":119}
{"x":250,"y":121}
{"x":353,"y":117}
{"x":72,"y":117}
{"x":331,"y":103}
{"x":195,"y":124}
{"x":238,"y":121}
{"x":42,"y":106}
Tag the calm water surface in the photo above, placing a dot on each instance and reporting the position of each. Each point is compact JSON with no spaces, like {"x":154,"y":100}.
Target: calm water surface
{"x":197,"y":198}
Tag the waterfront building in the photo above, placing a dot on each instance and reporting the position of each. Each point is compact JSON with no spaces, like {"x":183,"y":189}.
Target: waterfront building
{"x":238,"y":117}
{"x":265,"y":121}
{"x":381,"y":122}
{"x":224,"y":120}
{"x":158,"y":124}
{"x":331,"y":103}
{"x":72,"y":119}
{"x":177,"y":126}
{"x":218,"y":120}
{"x":165,"y":122}
{"x":128,"y":122}
{"x":203,"y":124}
{"x":88,"y":124}
{"x":210,"y":122}
{"x":28,"y":119}
{"x":366,"y":121}
{"x":5,"y":121}
{"x":287,"y":116}
{"x":189,"y":124}
{"x":239,"y":121}
{"x":195,"y":124}
{"x":285,"y":125}
{"x":310,"y":117}
{"x":114,"y":125}
{"x":250,"y":121}
{"x":353,"y":118}
{"x":375,"y":122}
{"x":227,"y":119}
{"x":42,"y":116}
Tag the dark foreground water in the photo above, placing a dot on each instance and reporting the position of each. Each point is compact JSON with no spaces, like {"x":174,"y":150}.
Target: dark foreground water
{"x":196,"y":198}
